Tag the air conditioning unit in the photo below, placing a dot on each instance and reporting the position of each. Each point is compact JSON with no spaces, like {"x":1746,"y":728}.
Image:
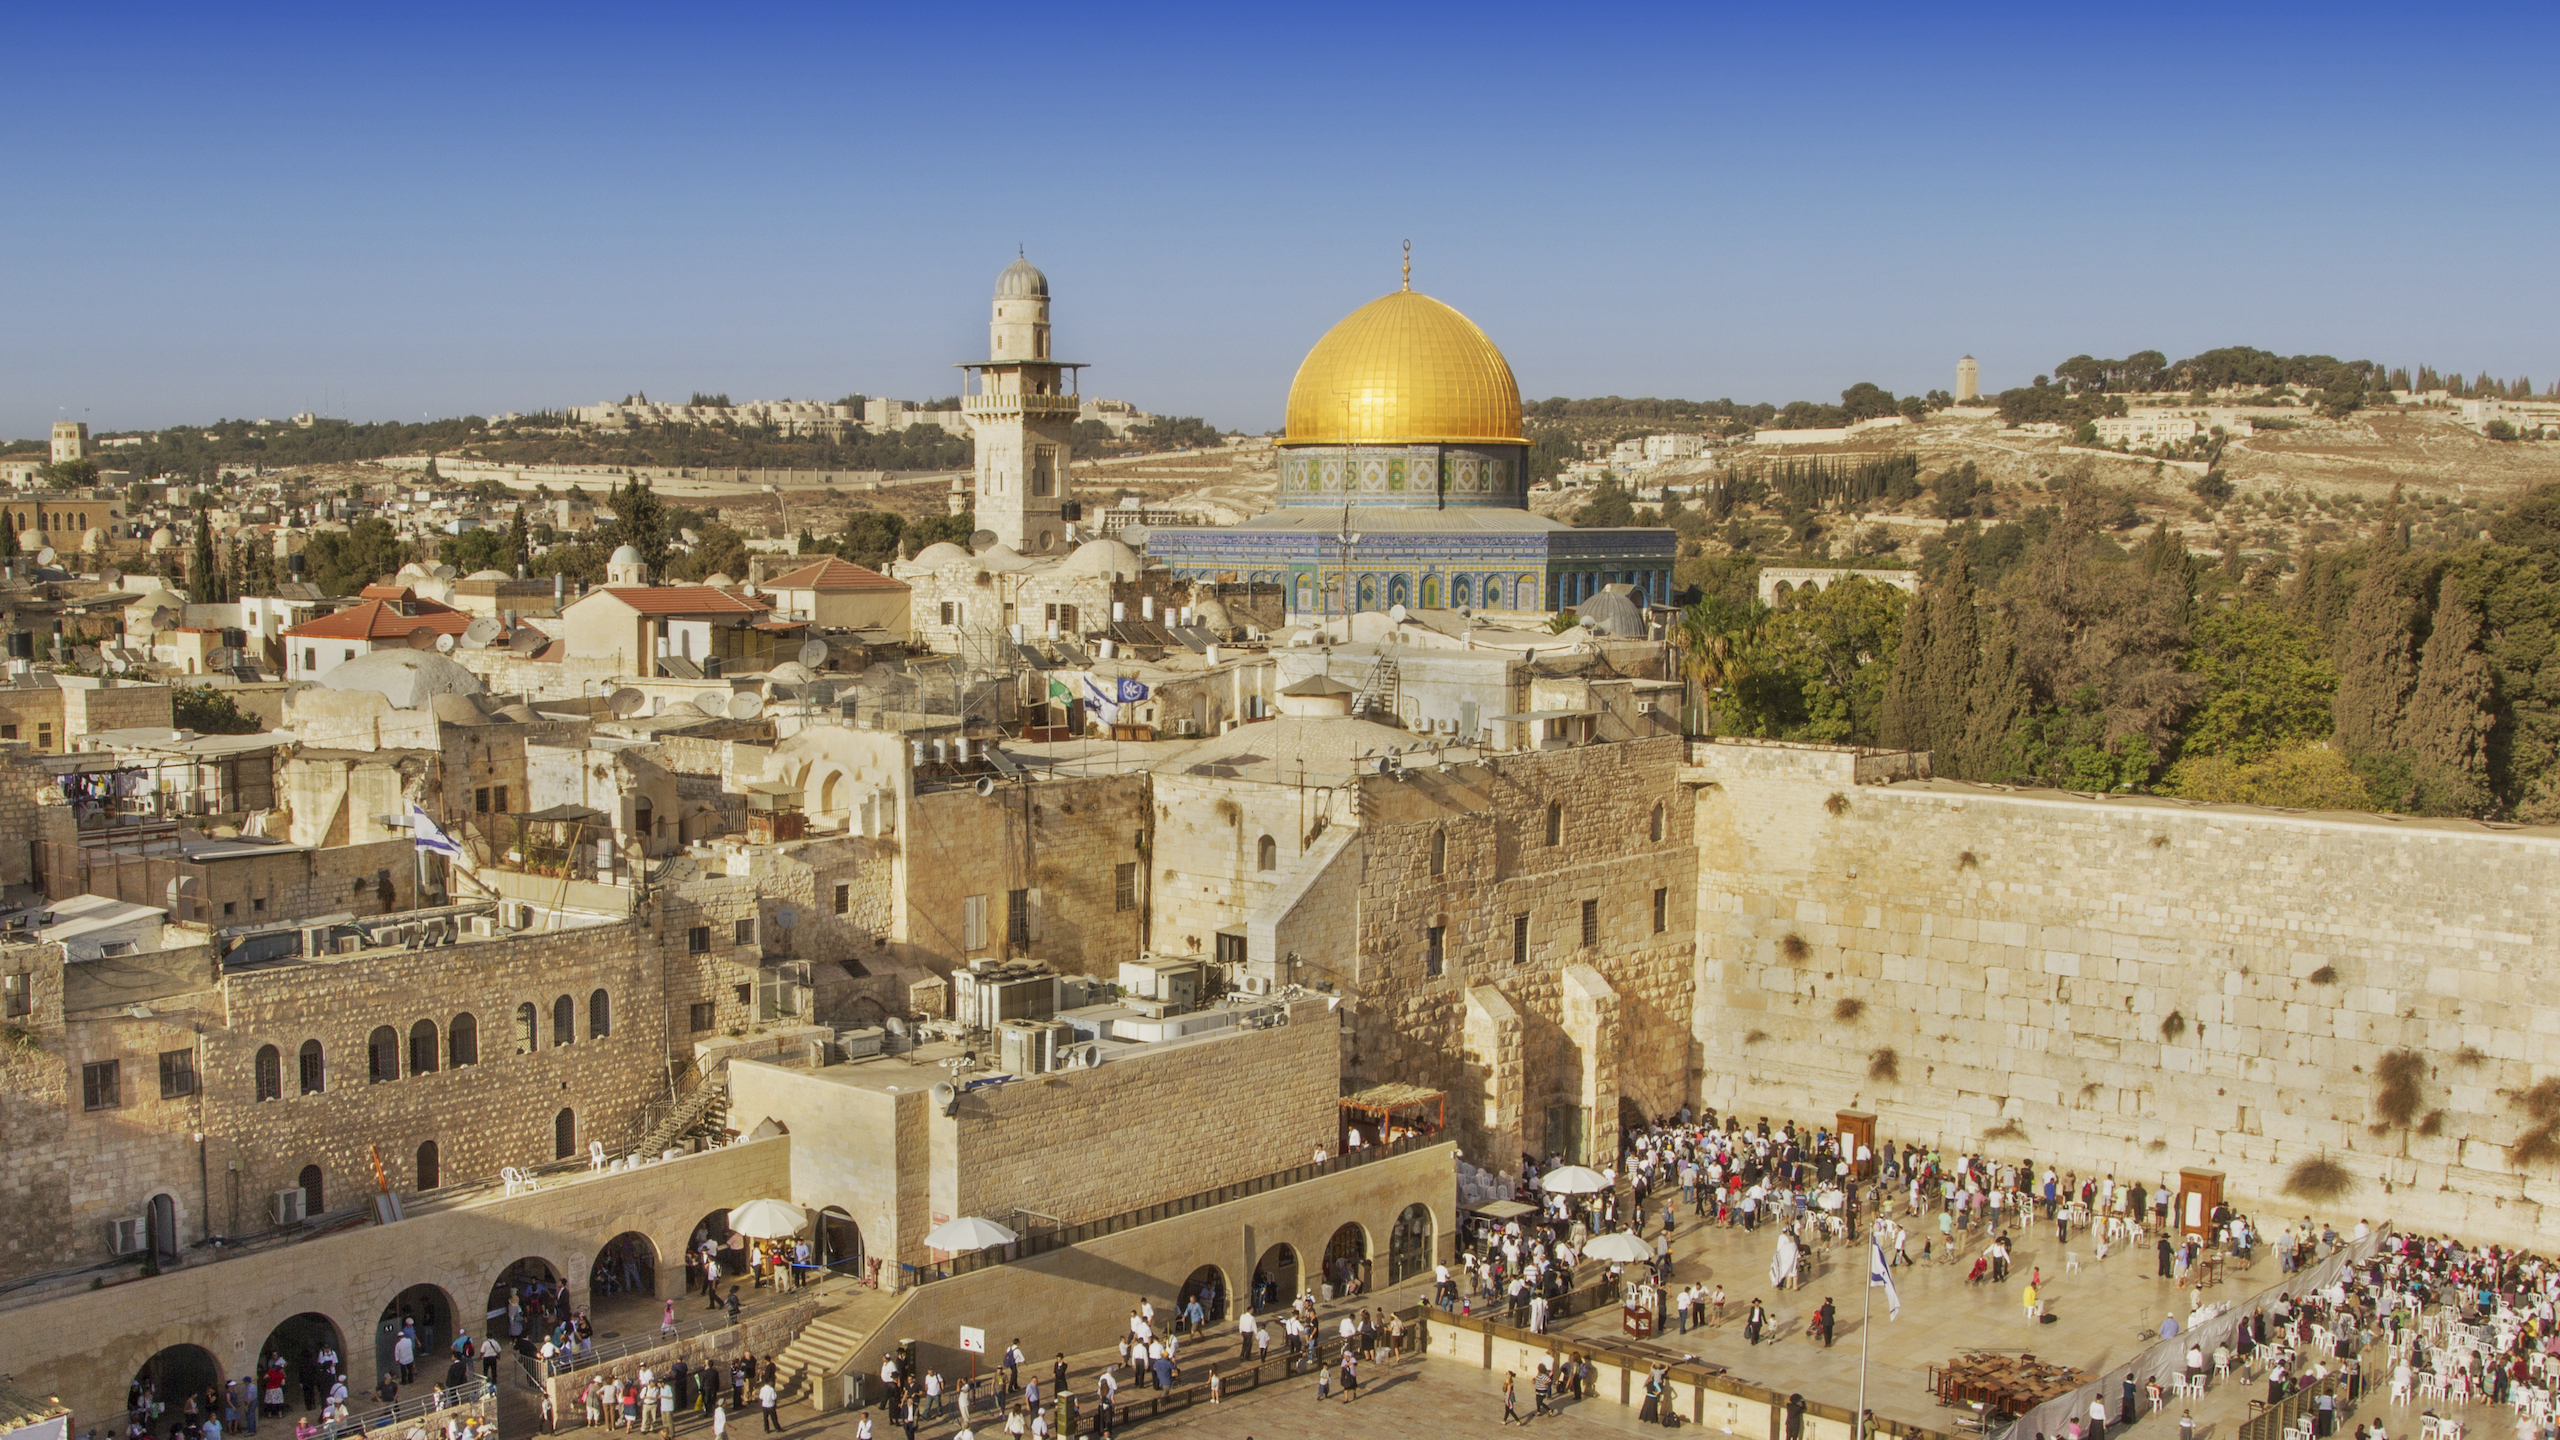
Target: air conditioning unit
{"x":289,"y":1206}
{"x":129,"y":1237}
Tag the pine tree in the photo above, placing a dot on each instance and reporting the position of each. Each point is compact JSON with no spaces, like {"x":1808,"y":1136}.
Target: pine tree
{"x":520,"y":542}
{"x":204,"y":584}
{"x":642,"y":520}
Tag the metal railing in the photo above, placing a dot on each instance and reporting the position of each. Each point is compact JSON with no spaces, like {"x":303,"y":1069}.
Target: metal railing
{"x":366,"y":1422}
{"x":707,"y":1322}
{"x":1048,"y":1240}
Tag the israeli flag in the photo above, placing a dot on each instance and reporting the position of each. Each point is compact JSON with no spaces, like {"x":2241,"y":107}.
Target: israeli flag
{"x":430,"y":837}
{"x":1881,"y":1273}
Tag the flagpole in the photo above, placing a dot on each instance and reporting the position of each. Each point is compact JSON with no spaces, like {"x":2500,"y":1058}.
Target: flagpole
{"x":1866,"y":1338}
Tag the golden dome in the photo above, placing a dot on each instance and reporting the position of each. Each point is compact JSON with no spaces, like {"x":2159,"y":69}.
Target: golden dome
{"x":1404,"y":368}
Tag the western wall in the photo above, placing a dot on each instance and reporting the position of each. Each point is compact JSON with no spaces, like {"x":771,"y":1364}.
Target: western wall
{"x":2132,"y":984}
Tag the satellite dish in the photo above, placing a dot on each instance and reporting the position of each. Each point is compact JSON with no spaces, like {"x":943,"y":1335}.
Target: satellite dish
{"x":786,"y":917}
{"x":626,"y":701}
{"x":983,"y":540}
{"x":986,"y":785}
{"x":444,"y":644}
{"x":814,"y":654}
{"x":422,"y":638}
{"x":45,"y":556}
{"x":792,"y":672}
{"x":745,"y":707}
{"x":219,"y":657}
{"x":715,"y":706}
{"x":478,"y":634}
{"x":443,"y":572}
{"x":525,"y":642}
{"x":116,"y":662}
{"x":754,"y":590}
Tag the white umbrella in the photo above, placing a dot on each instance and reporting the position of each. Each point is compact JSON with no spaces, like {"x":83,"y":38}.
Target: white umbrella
{"x":1573,"y":1180}
{"x":768,"y":1219}
{"x":968,"y":1233}
{"x":1622,"y":1246}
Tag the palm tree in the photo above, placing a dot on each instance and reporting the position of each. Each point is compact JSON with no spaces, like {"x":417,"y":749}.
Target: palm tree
{"x":1715,"y":646}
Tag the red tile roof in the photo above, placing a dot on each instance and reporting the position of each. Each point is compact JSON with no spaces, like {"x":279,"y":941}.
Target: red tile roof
{"x":834,"y":574}
{"x":382,"y":620}
{"x":386,"y":592}
{"x":683,"y":600}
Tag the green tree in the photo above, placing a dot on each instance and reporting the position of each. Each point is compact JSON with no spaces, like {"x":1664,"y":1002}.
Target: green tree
{"x":1817,"y":669}
{"x":204,"y":581}
{"x":1610,"y":507}
{"x":1927,"y":698}
{"x":209,"y":711}
{"x":2302,"y":775}
{"x":2446,"y":728}
{"x":720,"y":550}
{"x":77,"y":473}
{"x":640,"y":521}
{"x":342,"y":562}
{"x":2267,"y":684}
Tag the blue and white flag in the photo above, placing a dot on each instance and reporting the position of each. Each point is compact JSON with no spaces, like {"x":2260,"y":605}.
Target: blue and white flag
{"x":1105,"y":697}
{"x":1881,"y":1273}
{"x":430,"y":837}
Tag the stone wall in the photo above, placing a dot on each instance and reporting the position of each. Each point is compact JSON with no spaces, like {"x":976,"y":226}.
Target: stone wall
{"x":38,"y":1094}
{"x":2132,"y":985}
{"x":85,"y":1345}
{"x":1060,"y":839}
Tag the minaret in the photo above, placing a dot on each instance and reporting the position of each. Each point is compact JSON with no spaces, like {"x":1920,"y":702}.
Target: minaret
{"x":1024,"y":412}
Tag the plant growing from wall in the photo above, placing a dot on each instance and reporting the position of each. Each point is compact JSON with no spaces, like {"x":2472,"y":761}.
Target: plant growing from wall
{"x":2005,"y":1130}
{"x":1838,"y":804}
{"x":1967,"y":860}
{"x":2173,"y":1027}
{"x":2325,"y":975}
{"x":1755,"y":1037}
{"x":1794,"y":948}
{"x":2395,"y":1100}
{"x":2319,"y":1178}
{"x":1884,"y":1066}
{"x":1847,"y":1009}
{"x":2540,"y":1141}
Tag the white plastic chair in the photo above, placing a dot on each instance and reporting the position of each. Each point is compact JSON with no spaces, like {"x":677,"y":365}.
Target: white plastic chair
{"x":595,"y":1157}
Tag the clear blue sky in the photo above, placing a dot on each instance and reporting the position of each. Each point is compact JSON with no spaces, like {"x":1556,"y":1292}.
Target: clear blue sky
{"x":398,"y":211}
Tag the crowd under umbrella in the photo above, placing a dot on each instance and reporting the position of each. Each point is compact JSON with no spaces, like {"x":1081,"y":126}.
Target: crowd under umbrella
{"x":768,"y":1219}
{"x":1621,"y":1247}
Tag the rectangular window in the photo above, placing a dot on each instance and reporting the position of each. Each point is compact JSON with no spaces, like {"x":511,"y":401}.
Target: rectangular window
{"x":230,"y":907}
{"x":1661,"y":910}
{"x":702,"y":1011}
{"x":8,"y":732}
{"x":1435,"y":954}
{"x":98,"y":1085}
{"x":480,"y":800}
{"x":697,"y":941}
{"x":1124,"y":886}
{"x":747,"y":932}
{"x":1017,"y":918}
{"x":350,"y":653}
{"x":746,"y":994}
{"x":502,"y":800}
{"x":18,"y":993}
{"x":844,"y":899}
{"x":973,"y":922}
{"x":44,"y":734}
{"x":177,"y":1073}
{"x":950,"y":612}
{"x":1519,"y":939}
{"x":258,"y":907}
{"x":310,"y":657}
{"x":1590,"y":922}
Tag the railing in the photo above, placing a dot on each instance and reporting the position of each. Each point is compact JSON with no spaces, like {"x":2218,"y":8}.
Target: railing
{"x":1048,"y":1240}
{"x":2271,"y":1421}
{"x":366,"y":1422}
{"x":1003,"y":402}
{"x":639,"y":1340}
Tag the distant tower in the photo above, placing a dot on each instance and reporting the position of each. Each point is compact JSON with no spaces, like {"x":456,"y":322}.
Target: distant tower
{"x":70,"y":440}
{"x":957,"y":502}
{"x":1024,"y":412}
{"x":1968,"y":380}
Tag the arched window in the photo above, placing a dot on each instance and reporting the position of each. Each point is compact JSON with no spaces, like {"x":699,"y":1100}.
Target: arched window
{"x":382,"y":1054}
{"x":1439,"y":852}
{"x":599,"y":1015}
{"x":564,"y":1135}
{"x":1657,"y":820}
{"x":564,"y":1020}
{"x":1266,"y":855}
{"x":315,"y":1068}
{"x":462,"y":1042}
{"x":430,"y":1167}
{"x":527,"y":1039}
{"x":422,"y":1048}
{"x":270,"y":1073}
{"x":309,"y":1180}
{"x":1555,"y":823}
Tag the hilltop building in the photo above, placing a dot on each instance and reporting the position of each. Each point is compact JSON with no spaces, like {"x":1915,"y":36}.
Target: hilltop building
{"x":1968,"y":380}
{"x":1404,"y":481}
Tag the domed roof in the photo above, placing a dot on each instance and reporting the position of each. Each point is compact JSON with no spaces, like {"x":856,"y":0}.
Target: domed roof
{"x":1094,"y":557}
{"x":938,"y":554}
{"x":625,"y":555}
{"x":406,"y":678}
{"x":1404,"y":368}
{"x":486,"y":575}
{"x":1022,"y":281}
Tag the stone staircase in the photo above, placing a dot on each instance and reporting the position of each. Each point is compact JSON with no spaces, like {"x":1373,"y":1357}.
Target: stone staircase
{"x":836,"y":1341}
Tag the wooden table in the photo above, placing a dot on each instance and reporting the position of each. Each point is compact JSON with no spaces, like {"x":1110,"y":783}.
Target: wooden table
{"x":2009,"y":1384}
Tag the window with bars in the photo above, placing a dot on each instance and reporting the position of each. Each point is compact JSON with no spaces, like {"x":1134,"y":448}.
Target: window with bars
{"x":746,"y":931}
{"x":1435,"y":951}
{"x":1519,"y":939}
{"x":315,"y":1068}
{"x":844,"y":899}
{"x":1124,"y":886}
{"x":177,"y":1074}
{"x":100,"y":1081}
{"x":1590,"y":922}
{"x":1017,"y":918}
{"x":1661,"y":909}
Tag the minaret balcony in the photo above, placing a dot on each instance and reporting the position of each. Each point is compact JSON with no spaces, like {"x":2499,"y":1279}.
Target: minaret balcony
{"x":1002,"y":406}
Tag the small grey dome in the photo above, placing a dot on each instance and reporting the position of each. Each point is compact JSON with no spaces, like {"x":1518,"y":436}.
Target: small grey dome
{"x":625,"y":555}
{"x":1022,"y":280}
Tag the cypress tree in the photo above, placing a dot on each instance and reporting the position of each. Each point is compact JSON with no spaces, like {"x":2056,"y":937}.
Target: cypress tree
{"x":2376,"y":659}
{"x":1904,"y":722}
{"x":1998,"y":703}
{"x":1954,"y":654}
{"x":2445,"y":729}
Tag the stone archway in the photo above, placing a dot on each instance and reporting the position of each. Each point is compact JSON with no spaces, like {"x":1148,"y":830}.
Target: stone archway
{"x":1208,"y":1285}
{"x":1275,"y":1277}
{"x":1346,"y":1261}
{"x":1409,"y":1246}
{"x":305,"y":1343}
{"x":528,"y":1296}
{"x":164,"y":1381}
{"x":428,"y":1315}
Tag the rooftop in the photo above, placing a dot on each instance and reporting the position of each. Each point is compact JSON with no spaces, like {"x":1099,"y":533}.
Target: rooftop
{"x":682,"y":600}
{"x":833,"y":574}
